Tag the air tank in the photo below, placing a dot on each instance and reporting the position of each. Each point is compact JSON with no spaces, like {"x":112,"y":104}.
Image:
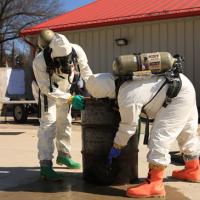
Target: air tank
{"x":157,"y":62}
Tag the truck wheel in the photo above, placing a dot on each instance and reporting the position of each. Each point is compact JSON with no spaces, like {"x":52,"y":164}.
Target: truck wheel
{"x":20,"y":113}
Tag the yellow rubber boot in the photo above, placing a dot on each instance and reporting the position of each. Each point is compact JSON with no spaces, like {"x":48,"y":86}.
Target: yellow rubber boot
{"x":190,"y":173}
{"x":152,"y":187}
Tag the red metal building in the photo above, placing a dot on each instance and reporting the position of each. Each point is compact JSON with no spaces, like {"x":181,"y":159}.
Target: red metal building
{"x":147,"y":25}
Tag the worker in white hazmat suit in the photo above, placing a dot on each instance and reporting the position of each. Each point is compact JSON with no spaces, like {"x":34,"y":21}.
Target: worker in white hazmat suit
{"x":178,"y":120}
{"x":54,"y":71}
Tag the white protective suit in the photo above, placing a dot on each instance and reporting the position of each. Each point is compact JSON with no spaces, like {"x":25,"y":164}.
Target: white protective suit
{"x":176,"y":121}
{"x":56,"y":122}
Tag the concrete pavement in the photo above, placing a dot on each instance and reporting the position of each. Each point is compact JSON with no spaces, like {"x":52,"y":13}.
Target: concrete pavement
{"x":19,"y":170}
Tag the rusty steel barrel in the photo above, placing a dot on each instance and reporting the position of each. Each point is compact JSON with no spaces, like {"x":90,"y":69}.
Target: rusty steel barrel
{"x":100,"y":122}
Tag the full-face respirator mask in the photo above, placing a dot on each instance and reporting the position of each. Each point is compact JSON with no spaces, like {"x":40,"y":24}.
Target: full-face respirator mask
{"x":64,"y":64}
{"x":55,"y":62}
{"x":61,"y":65}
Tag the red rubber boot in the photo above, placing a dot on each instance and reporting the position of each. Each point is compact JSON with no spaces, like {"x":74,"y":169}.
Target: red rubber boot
{"x":152,"y":187}
{"x":190,"y":173}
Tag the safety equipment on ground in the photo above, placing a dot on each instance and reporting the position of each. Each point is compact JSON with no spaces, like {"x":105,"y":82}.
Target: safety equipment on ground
{"x":143,"y":64}
{"x":77,"y":102}
{"x":68,"y":162}
{"x":190,"y":173}
{"x":47,"y":173}
{"x":45,"y":37}
{"x":114,"y":153}
{"x":152,"y":187}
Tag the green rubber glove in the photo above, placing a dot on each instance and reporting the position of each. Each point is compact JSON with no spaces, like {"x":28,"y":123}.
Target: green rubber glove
{"x":78,"y":102}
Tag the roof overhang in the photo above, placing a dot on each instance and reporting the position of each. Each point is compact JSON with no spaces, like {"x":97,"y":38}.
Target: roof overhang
{"x":73,"y":21}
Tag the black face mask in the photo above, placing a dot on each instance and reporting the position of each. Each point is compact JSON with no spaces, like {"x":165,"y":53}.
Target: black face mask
{"x":64,"y":63}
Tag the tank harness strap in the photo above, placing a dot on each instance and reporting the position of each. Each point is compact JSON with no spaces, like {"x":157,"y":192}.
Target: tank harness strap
{"x":46,"y":98}
{"x":139,"y":61}
{"x":146,"y":132}
{"x":117,"y":86}
{"x":45,"y":103}
{"x":50,"y":84}
{"x":173,"y":79}
{"x":39,"y":104}
{"x":75,"y":89}
{"x":174,"y":87}
{"x":119,"y":81}
{"x":50,"y":65}
{"x":75,"y":61}
{"x":147,"y":120}
{"x":50,"y":68}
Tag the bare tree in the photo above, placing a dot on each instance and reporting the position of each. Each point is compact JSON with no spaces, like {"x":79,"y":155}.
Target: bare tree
{"x":18,"y":14}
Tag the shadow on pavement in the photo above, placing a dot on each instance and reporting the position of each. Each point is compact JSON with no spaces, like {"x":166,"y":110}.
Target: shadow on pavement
{"x":11,"y":133}
{"x":30,"y":187}
{"x":10,"y":120}
{"x":176,"y":158}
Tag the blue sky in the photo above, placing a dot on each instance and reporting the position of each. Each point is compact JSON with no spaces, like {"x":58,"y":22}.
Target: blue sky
{"x":72,"y":4}
{"x":67,"y":5}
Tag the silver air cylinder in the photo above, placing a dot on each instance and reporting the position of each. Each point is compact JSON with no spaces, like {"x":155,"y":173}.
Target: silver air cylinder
{"x":155,"y":63}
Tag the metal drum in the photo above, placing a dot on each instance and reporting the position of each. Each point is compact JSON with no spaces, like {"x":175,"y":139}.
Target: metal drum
{"x":99,"y":124}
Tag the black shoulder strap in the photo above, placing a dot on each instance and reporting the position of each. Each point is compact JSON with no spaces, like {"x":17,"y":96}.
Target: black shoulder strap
{"x":147,"y":120}
{"x":174,"y":87}
{"x":39,"y":104}
{"x":154,"y":95}
{"x":50,"y":65}
{"x":74,"y":55}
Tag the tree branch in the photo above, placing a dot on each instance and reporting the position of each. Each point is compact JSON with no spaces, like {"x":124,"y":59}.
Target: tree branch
{"x":23,"y":14}
{"x":11,"y":38}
